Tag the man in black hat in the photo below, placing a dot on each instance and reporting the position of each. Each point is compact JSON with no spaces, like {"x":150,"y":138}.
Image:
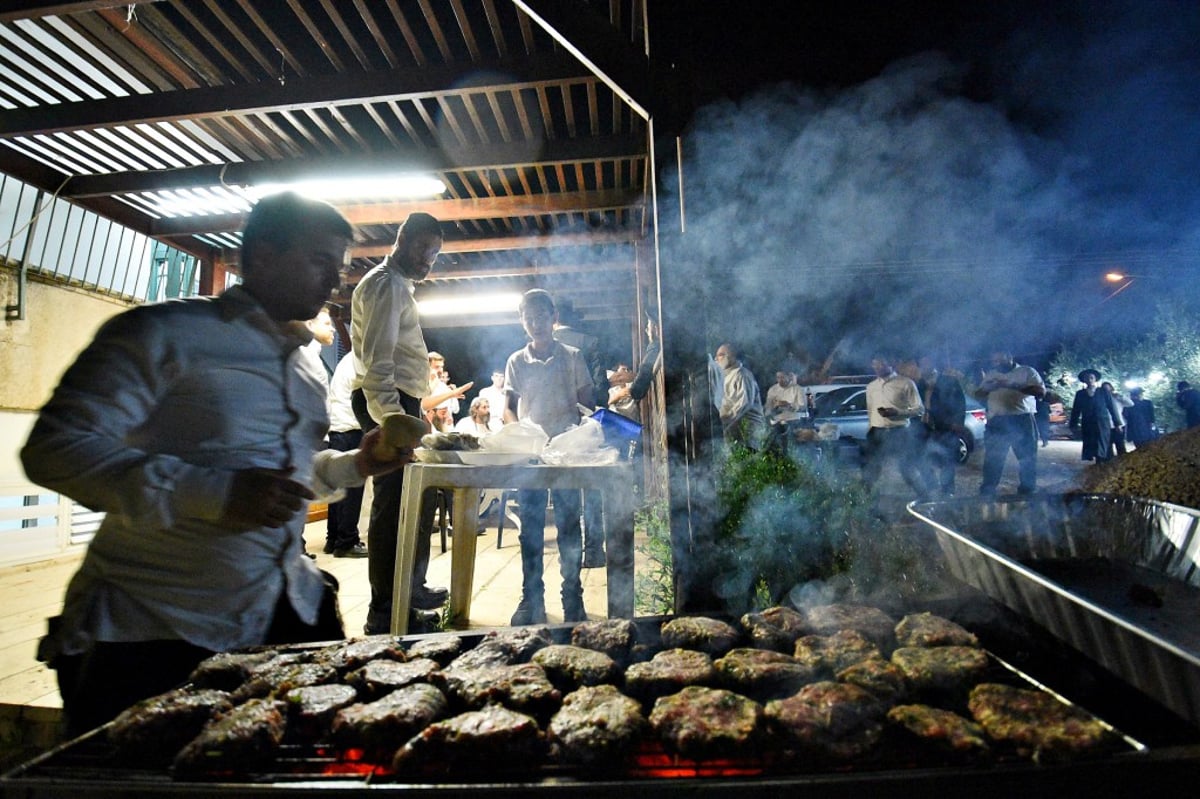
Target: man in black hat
{"x":1094,"y":414}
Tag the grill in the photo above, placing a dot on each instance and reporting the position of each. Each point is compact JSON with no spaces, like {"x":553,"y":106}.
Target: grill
{"x":1153,"y":747}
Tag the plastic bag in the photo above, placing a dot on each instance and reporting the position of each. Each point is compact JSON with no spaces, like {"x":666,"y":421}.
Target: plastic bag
{"x":524,"y":437}
{"x":580,"y":445}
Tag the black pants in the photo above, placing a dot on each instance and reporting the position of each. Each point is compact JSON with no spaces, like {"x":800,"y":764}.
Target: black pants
{"x":384,"y":525}
{"x":341,"y":526}
{"x":98,"y":684}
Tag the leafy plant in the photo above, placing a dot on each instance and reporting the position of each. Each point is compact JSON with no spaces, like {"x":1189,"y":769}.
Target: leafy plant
{"x":654,"y":586}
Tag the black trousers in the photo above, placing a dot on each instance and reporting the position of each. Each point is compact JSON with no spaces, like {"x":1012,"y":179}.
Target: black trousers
{"x":98,"y":684}
{"x":384,"y":524}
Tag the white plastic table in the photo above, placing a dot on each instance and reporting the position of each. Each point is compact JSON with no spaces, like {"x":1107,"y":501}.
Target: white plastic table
{"x":467,"y":482}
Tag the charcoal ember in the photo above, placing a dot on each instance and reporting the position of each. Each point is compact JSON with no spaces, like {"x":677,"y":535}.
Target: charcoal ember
{"x":357,"y":653}
{"x":311,"y":709}
{"x":385,"y":724}
{"x":152,"y":731}
{"x":1037,"y":723}
{"x":828,"y":720}
{"x":942,"y":730}
{"x":762,"y":674}
{"x":668,"y":672}
{"x":380,"y":677}
{"x":570,"y":667}
{"x":701,"y":633}
{"x":941,"y":671}
{"x":614,"y":637}
{"x":926,"y":629}
{"x":225,"y":671}
{"x":873,"y":623}
{"x":883,"y":678}
{"x":829,"y":654}
{"x":486,"y":741}
{"x":440,"y":648}
{"x":702,"y":723}
{"x":596,"y":725}
{"x":277,"y":678}
{"x":523,"y":687}
{"x":244,"y":739}
{"x":775,"y":628}
{"x":504,"y":648}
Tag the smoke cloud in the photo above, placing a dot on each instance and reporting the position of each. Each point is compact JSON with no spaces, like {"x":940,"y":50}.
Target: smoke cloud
{"x":900,"y":214}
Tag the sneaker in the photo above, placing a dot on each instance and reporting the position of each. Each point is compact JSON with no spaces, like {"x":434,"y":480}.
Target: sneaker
{"x":359,"y":550}
{"x":528,"y":612}
{"x":426,"y":598}
{"x":594,"y":560}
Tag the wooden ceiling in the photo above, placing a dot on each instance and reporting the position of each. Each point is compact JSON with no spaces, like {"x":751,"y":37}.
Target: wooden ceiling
{"x":533,"y":113}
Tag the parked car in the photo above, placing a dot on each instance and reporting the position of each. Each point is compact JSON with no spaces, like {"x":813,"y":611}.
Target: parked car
{"x":846,"y":407}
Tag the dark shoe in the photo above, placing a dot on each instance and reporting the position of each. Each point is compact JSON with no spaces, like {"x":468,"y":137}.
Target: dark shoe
{"x":594,"y":560}
{"x":426,"y":598}
{"x":529,"y":612}
{"x":328,"y":550}
{"x":573,"y":610}
{"x":423,"y":621}
{"x":359,"y":550}
{"x":308,"y":554}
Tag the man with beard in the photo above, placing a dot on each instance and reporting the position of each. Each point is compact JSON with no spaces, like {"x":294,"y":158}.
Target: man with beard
{"x":392,"y":366}
{"x":741,"y":409}
{"x":1010,"y":391}
{"x":945,"y":406}
{"x":198,"y":431}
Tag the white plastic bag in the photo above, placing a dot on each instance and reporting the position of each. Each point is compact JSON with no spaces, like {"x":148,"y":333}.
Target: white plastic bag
{"x":524,"y":437}
{"x":580,"y":445}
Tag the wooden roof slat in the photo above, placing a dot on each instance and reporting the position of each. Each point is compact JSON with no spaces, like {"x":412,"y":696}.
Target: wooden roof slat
{"x":493,"y":20}
{"x":305,"y":132}
{"x":167,"y":35}
{"x":335,"y":16}
{"x":406,"y":31}
{"x":286,"y":55}
{"x":217,"y":9}
{"x":435,"y":28}
{"x":298,"y":8}
{"x":142,"y":41}
{"x":464,"y":27}
{"x":372,"y":26}
{"x":214,"y":42}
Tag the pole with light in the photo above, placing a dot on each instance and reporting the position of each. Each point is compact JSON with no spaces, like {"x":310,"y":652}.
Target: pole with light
{"x":1126,"y":280}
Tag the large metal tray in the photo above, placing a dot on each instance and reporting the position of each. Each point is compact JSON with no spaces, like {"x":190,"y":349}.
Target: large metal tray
{"x":1116,"y":578}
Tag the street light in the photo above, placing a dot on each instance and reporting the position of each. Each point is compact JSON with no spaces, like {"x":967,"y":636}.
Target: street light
{"x":1118,"y":277}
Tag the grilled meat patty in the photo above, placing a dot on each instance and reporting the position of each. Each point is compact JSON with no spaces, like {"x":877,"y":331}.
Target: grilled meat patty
{"x":596,"y":724}
{"x":944,"y":730}
{"x":614,"y":637}
{"x":702,"y":723}
{"x":701,"y":633}
{"x":828,"y":719}
{"x":246,"y":737}
{"x":154,"y":729}
{"x":926,"y":629}
{"x":493,"y":739}
{"x":225,"y":671}
{"x":762,"y":674}
{"x":523,"y":687}
{"x":1036,"y":722}
{"x":570,"y":667}
{"x":379,"y":677}
{"x":441,"y":648}
{"x":668,"y":672}
{"x":385,"y":724}
{"x":826,"y":655}
{"x":357,"y":653}
{"x":882,"y":678}
{"x":276,"y":678}
{"x":775,"y":628}
{"x":941,"y":670}
{"x":504,"y":648}
{"x":873,"y":623}
{"x":311,"y":709}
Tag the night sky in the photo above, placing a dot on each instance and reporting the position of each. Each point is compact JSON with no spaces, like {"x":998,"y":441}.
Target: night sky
{"x":933,"y":175}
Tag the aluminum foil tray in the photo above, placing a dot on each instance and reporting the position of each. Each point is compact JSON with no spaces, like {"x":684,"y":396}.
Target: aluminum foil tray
{"x":1116,"y":578}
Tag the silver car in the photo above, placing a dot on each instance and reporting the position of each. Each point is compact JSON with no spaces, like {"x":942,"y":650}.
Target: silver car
{"x":846,"y":407}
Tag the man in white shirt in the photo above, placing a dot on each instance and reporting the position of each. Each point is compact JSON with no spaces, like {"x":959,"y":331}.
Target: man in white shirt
{"x":1010,"y":391}
{"x":392,"y":367}
{"x":893,"y":400}
{"x":741,"y":407}
{"x":345,"y":433}
{"x":194,"y":426}
{"x":785,"y":399}
{"x":496,"y":395}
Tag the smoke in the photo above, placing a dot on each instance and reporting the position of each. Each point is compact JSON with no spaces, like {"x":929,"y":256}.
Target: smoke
{"x":901,"y":214}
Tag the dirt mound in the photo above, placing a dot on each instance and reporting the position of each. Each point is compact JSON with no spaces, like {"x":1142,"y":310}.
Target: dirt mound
{"x":1167,"y":470}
